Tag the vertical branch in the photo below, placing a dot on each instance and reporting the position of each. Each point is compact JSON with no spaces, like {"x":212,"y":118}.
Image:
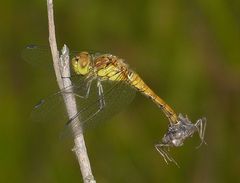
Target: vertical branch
{"x":61,"y":67}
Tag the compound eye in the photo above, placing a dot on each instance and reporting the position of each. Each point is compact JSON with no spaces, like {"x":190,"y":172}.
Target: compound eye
{"x":84,"y":63}
{"x":84,"y":59}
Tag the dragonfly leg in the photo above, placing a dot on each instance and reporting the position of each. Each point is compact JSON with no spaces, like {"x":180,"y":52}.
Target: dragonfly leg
{"x":85,"y":96}
{"x":100,"y":94}
{"x":162,"y":149}
{"x":201,"y":127}
{"x":101,"y":105}
{"x":101,"y":102}
{"x":88,"y":86}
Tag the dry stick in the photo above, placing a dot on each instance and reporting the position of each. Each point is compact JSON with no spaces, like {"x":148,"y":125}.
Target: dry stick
{"x":61,"y":67}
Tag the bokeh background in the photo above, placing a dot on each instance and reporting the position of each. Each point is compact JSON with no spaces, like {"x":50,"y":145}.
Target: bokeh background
{"x":187,"y":51}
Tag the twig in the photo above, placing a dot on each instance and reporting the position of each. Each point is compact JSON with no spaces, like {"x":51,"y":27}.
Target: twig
{"x":61,"y":67}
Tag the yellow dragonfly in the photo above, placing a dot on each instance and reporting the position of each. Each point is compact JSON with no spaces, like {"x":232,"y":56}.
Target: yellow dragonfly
{"x":114,"y":84}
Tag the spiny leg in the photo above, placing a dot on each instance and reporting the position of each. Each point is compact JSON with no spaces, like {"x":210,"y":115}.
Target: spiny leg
{"x":100,"y":94}
{"x":101,"y":100}
{"x":88,"y":86}
{"x":161,"y":149}
{"x":101,"y":105}
{"x":201,"y":127}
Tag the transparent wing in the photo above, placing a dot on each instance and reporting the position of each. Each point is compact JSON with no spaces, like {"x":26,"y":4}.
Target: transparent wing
{"x":52,"y":108}
{"x":117,"y":96}
{"x":38,"y":56}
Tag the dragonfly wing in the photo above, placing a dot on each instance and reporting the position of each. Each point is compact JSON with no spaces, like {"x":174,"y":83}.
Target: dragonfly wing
{"x":38,"y":56}
{"x":117,"y":95}
{"x":52,"y":108}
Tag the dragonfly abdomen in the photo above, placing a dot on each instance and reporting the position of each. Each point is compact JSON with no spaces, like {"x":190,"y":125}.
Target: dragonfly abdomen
{"x":140,"y":85}
{"x":111,"y":68}
{"x":168,"y":111}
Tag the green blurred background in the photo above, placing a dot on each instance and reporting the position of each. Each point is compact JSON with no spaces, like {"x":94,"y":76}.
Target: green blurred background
{"x":187,"y":51}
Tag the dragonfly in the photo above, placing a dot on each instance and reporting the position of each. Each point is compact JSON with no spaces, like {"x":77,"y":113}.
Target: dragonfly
{"x":104,"y":84}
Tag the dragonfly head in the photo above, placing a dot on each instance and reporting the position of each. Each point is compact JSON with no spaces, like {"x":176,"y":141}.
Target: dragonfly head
{"x":81,"y":63}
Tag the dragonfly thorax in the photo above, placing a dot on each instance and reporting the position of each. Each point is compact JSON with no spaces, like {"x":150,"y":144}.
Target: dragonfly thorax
{"x":81,"y":63}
